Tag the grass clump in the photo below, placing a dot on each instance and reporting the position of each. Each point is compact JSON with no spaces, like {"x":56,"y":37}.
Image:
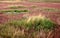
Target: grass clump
{"x":31,"y":27}
{"x":40,"y":23}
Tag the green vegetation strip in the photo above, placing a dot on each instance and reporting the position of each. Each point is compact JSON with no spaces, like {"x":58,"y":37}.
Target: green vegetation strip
{"x":13,"y":11}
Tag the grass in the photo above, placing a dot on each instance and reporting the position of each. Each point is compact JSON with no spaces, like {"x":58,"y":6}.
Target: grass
{"x":40,"y":22}
{"x":26,"y":28}
{"x":13,"y":11}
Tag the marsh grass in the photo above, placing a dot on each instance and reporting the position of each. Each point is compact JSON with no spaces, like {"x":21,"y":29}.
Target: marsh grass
{"x":31,"y":27}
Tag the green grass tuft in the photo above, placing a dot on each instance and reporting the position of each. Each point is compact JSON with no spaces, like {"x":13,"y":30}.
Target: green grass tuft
{"x":26,"y":28}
